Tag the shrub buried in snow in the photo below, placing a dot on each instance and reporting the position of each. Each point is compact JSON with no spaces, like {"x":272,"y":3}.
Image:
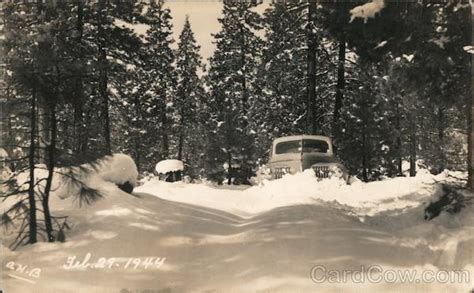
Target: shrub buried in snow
{"x":167,"y":166}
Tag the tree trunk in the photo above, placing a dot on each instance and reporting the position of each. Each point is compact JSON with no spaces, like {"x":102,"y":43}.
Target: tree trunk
{"x":470,"y":108}
{"x":80,"y":141}
{"x":51,"y":164}
{"x":105,"y":101}
{"x":137,"y":153}
{"x":365,"y":175}
{"x":164,"y":135}
{"x":413,"y":157}
{"x":181,"y":140}
{"x":138,"y":125}
{"x":311,"y":127}
{"x":31,"y":158}
{"x":398,"y":127}
{"x":43,"y":133}
{"x":365,"y":143}
{"x":229,"y":171}
{"x":103,"y":80}
{"x":340,"y":82}
{"x":243,"y":62}
{"x":80,"y":20}
{"x":440,"y":144}
{"x":413,"y":144}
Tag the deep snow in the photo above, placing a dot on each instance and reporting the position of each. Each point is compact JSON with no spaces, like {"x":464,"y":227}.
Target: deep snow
{"x":259,"y":239}
{"x":303,"y":188}
{"x":117,"y":168}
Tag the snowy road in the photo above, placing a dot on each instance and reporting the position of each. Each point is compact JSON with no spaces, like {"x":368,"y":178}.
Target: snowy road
{"x":211,"y":250}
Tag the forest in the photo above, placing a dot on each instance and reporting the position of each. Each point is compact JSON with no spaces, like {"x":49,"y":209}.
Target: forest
{"x":392,"y":89}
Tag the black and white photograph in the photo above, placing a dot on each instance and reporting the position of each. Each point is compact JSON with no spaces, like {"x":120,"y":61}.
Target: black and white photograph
{"x":241,"y":146}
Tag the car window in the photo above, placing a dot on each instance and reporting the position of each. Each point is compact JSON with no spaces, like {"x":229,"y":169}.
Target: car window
{"x":315,"y":146}
{"x":287,"y":147}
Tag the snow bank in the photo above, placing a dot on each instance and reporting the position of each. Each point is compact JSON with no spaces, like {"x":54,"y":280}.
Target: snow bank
{"x":166,"y":166}
{"x":297,"y":237}
{"x":41,"y":174}
{"x":117,"y":169}
{"x":303,"y":188}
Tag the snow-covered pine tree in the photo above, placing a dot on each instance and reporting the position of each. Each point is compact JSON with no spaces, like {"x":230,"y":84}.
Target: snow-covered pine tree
{"x":365,"y":136}
{"x":232,"y":83}
{"x":423,"y":41}
{"x":442,"y":66}
{"x":280,"y":108}
{"x":115,"y":46}
{"x":130,"y":115}
{"x":361,"y":140}
{"x":19,"y":46}
{"x":285,"y":103}
{"x":160,"y":75}
{"x":334,"y":17}
{"x":188,"y":101}
{"x":43,"y":75}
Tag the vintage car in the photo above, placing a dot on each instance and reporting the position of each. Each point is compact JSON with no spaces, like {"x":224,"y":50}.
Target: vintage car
{"x":292,"y":154}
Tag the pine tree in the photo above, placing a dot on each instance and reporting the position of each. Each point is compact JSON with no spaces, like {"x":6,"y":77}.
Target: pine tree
{"x":232,"y":84}
{"x":160,"y":75}
{"x":48,"y":77}
{"x":287,"y":99}
{"x":189,"y":98}
{"x":280,"y":107}
{"x":130,"y":115}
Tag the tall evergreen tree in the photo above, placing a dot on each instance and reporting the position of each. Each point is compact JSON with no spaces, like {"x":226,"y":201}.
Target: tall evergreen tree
{"x":189,"y":89}
{"x":160,"y":74}
{"x":281,"y":105}
{"x":189,"y":97}
{"x":232,"y":84}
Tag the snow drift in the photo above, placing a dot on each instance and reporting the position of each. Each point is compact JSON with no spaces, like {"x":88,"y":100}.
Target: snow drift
{"x":288,"y":226}
{"x":303,"y":188}
{"x":117,"y":169}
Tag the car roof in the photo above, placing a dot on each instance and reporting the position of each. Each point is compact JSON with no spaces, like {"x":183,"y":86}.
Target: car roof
{"x":300,"y":137}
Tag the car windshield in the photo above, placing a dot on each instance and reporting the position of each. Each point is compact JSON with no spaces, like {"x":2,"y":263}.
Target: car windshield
{"x":288,"y":147}
{"x":315,"y":146}
{"x":305,"y":146}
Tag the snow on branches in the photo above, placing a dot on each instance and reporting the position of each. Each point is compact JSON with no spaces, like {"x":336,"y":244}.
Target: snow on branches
{"x":367,"y":10}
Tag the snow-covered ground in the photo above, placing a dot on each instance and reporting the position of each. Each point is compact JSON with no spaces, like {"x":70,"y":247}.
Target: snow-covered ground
{"x":260,"y":239}
{"x":303,"y":188}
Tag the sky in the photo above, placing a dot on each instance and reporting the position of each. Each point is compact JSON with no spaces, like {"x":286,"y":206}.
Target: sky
{"x":203,"y":16}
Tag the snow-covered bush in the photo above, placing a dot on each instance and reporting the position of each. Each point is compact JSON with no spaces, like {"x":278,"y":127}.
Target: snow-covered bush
{"x":119,"y":169}
{"x":170,"y":170}
{"x":167,"y":166}
{"x":367,"y":10}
